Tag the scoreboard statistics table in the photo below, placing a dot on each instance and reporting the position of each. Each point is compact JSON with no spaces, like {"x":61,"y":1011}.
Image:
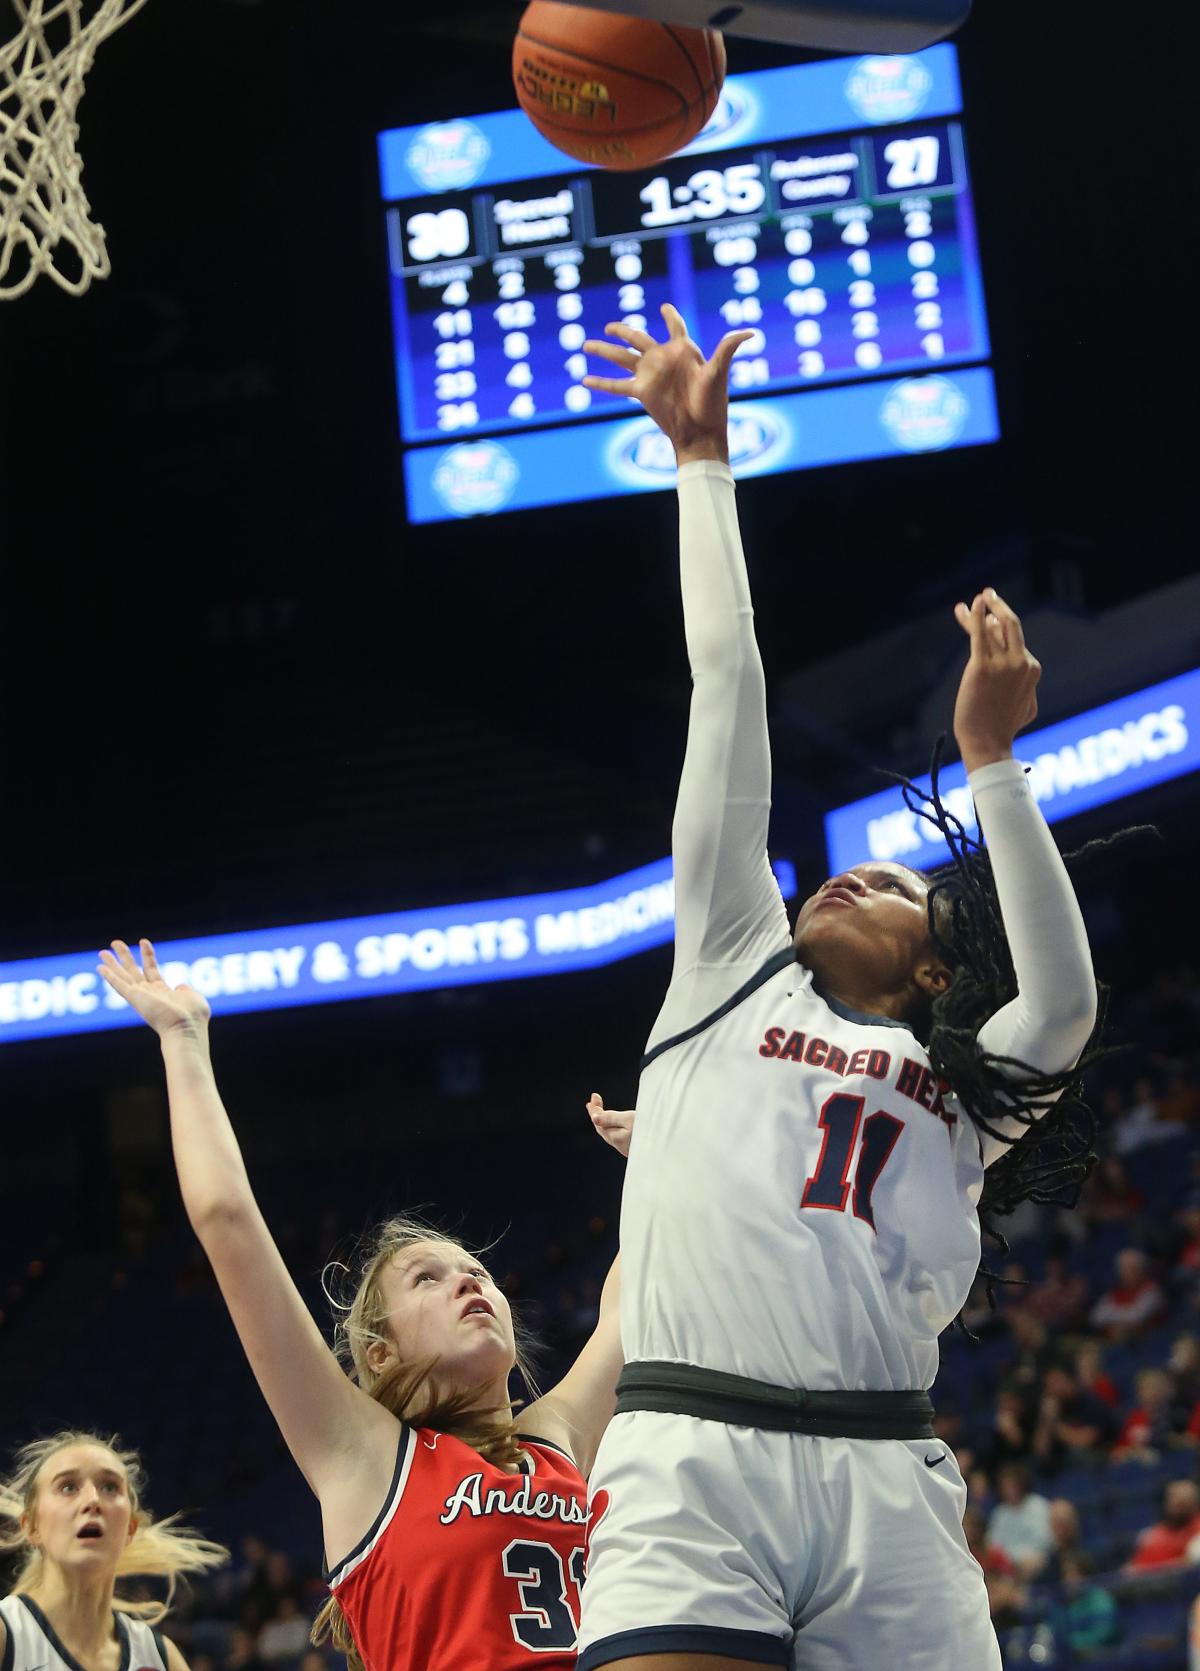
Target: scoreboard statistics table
{"x":825,"y":207}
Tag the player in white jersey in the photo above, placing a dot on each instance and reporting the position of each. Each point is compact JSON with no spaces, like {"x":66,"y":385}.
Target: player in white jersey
{"x":800,"y":1217}
{"x":73,"y":1510}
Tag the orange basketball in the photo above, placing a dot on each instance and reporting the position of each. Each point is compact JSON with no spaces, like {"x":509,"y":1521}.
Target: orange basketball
{"x":621,"y":92}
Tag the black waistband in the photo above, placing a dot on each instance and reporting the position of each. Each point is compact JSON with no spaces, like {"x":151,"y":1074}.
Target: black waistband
{"x":687,"y":1390}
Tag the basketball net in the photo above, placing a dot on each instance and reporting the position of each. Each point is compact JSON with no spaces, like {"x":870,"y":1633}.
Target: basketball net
{"x":45,"y":217}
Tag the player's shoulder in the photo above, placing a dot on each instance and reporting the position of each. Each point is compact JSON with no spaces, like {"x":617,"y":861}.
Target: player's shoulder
{"x":15,"y":1623}
{"x":701,"y":996}
{"x":148,"y":1648}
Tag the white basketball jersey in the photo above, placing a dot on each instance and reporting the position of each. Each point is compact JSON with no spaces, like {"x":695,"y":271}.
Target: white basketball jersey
{"x":34,"y":1645}
{"x":800,"y":1201}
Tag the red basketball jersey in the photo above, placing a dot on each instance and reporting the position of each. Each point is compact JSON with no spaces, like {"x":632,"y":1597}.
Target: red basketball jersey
{"x":467,"y":1567}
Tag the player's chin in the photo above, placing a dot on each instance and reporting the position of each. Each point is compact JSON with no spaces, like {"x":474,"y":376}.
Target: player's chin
{"x":830,"y":926}
{"x":491,"y":1353}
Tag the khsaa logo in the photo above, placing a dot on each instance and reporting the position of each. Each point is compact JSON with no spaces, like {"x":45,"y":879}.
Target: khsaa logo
{"x":922,"y":414}
{"x":888,"y":89}
{"x":730,"y":122}
{"x":475,"y":478}
{"x":642,"y":456}
{"x":446,"y":156}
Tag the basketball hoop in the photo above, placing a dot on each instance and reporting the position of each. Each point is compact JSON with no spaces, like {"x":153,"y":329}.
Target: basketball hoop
{"x":44,"y":212}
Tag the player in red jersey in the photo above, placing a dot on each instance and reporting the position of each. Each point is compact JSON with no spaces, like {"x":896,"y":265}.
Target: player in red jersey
{"x":454,"y":1540}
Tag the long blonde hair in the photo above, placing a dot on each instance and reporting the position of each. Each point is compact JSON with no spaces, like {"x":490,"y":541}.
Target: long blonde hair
{"x":157,"y":1549}
{"x":406,"y":1389}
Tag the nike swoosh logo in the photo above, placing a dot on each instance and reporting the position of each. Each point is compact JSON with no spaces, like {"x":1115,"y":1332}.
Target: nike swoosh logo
{"x":932,"y":1461}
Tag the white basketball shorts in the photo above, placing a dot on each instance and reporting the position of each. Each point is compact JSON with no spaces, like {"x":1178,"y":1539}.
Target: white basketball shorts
{"x":780,"y":1549}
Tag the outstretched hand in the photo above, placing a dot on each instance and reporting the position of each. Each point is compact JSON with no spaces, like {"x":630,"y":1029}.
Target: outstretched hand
{"x":168,"y":1009}
{"x":613,"y":1125}
{"x":997,"y":695}
{"x":685,"y":394}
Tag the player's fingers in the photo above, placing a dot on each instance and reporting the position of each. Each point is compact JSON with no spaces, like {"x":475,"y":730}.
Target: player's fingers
{"x":725,"y":350}
{"x":997,"y":604}
{"x":610,"y":385}
{"x":997,"y":633}
{"x":983,"y":639}
{"x":641,"y":340}
{"x":126,"y":959}
{"x":970,"y":619}
{"x":1013,"y":633}
{"x":149,"y":960}
{"x":673,"y":320}
{"x":609,"y":351}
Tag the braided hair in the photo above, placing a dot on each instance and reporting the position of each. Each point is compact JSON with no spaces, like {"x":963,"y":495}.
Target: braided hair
{"x":1049,"y":1159}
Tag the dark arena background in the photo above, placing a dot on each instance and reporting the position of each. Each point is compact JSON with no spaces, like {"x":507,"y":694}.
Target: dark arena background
{"x":240,"y":690}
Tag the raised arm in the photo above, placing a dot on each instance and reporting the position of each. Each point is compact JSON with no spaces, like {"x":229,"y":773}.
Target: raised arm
{"x":1050,"y":1020}
{"x":342,"y":1440}
{"x":575,"y":1413}
{"x":728,"y":908}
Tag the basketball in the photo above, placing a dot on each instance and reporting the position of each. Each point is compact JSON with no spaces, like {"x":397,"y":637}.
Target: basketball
{"x":620,"y":92}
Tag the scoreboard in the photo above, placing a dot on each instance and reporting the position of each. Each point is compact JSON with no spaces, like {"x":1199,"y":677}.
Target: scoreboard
{"x":825,"y":207}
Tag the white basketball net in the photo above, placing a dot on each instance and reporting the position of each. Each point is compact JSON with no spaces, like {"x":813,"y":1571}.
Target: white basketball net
{"x":45,"y":217}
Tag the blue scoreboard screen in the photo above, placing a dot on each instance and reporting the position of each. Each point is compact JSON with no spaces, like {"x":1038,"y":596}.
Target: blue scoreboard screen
{"x":826,"y":207}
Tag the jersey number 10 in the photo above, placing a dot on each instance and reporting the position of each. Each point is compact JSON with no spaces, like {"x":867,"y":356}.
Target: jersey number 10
{"x":829,"y":1186}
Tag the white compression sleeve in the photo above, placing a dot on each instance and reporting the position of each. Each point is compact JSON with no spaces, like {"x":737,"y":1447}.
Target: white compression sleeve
{"x":1049,"y":1021}
{"x":728,"y":909}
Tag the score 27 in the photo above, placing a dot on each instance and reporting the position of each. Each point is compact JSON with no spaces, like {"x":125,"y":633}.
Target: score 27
{"x":919,"y":161}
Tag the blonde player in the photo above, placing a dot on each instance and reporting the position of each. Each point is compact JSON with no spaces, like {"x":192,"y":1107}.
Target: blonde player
{"x":453,"y":1536}
{"x":800,"y":1219}
{"x":72,"y":1508}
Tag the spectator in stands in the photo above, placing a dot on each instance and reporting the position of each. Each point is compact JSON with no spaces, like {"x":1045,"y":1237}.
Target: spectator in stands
{"x":242,"y":1654}
{"x":1179,"y":1105}
{"x":1108,"y":1196}
{"x":979,"y":1486}
{"x":286,"y":1635}
{"x":1060,"y":1300}
{"x":1091,"y":1376}
{"x":1006,"y":1596}
{"x":1148,"y":1428}
{"x":1034,"y":1350}
{"x":1087,"y":1617}
{"x":1185,"y":1251}
{"x":1072,"y":1423}
{"x":1184,"y":1365}
{"x":1020,"y":1522}
{"x":1011,"y":1438}
{"x":1136,"y":1301}
{"x":1134,"y":1123}
{"x":227,"y":1590}
{"x":989,"y":1555}
{"x":273,"y":1580}
{"x":1166,"y":1542}
{"x":1066,"y":1532}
